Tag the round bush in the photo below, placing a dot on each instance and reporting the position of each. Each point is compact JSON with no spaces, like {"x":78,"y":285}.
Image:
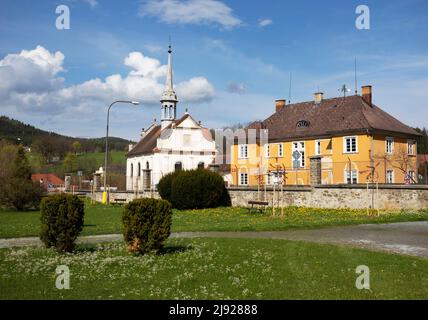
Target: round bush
{"x":62,"y":221}
{"x":196,"y":189}
{"x":146,"y":225}
{"x":165,"y":185}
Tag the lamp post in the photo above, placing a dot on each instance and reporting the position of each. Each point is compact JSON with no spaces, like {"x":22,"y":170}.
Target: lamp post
{"x":105,"y":197}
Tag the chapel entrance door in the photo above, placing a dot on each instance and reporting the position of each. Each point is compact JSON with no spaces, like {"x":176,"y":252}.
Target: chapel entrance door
{"x":147,"y":181}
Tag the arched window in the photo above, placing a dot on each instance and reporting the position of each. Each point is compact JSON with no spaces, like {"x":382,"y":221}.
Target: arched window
{"x":132,"y":170}
{"x":201,"y":165}
{"x":147,"y":166}
{"x":139,"y":169}
{"x":303,"y":124}
{"x":178,"y":166}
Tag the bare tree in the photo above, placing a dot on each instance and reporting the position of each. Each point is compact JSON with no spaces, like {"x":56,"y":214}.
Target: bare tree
{"x":401,"y":161}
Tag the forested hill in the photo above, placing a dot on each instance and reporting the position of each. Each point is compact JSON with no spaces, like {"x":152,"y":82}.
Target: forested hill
{"x":17,"y":132}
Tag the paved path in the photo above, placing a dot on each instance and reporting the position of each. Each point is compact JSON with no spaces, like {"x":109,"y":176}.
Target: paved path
{"x":409,"y":238}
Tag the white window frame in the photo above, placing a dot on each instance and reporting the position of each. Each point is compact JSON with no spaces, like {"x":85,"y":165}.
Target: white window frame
{"x":388,"y":181}
{"x":345,"y":144}
{"x":389,"y":140}
{"x":354,"y":173}
{"x":411,"y":151}
{"x":302,"y":150}
{"x":267,"y":150}
{"x":243,"y":151}
{"x":280,"y":150}
{"x":411,"y":175}
{"x":241,"y":175}
{"x":317,"y":147}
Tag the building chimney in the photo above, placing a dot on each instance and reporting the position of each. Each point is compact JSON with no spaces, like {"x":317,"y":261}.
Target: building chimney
{"x":279,"y":104}
{"x":319,"y":96}
{"x":367,"y":94}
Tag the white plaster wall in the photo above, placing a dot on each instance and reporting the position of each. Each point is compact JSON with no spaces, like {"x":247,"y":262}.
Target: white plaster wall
{"x":170,"y":145}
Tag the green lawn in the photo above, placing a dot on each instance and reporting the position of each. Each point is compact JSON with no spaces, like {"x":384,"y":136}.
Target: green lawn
{"x":117,"y":157}
{"x":212,"y":269}
{"x":101,"y":219}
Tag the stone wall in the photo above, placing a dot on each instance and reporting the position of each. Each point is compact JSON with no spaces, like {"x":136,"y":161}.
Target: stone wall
{"x":127,"y":195}
{"x":340,"y":196}
{"x":354,"y":197}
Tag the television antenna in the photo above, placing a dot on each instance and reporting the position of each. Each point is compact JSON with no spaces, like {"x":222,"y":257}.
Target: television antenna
{"x":344,"y":89}
{"x":356,"y":81}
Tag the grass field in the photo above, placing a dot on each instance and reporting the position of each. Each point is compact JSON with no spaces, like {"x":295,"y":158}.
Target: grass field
{"x":101,"y":219}
{"x":212,"y":269}
{"x":117,"y":157}
{"x":97,"y":158}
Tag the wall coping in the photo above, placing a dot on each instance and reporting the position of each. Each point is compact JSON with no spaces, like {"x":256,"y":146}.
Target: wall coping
{"x":301,"y":188}
{"x":373,"y":186}
{"x":269,"y":188}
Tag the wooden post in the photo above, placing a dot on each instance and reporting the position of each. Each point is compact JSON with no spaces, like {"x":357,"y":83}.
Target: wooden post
{"x":273,"y":200}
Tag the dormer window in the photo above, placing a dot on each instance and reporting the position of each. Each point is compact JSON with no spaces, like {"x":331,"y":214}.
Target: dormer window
{"x":302,"y":124}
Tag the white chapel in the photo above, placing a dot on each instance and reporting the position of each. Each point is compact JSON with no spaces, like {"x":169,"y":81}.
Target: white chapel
{"x":174,"y":144}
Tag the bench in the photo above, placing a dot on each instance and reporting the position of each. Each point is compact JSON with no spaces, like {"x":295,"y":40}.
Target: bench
{"x":260,"y":205}
{"x":119,"y":201}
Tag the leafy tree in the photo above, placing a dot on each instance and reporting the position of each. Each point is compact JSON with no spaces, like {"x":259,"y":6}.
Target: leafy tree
{"x":70,"y":163}
{"x":7,"y":157}
{"x":18,"y":190}
{"x":45,"y":147}
{"x":77,"y":147}
{"x":422,"y":141}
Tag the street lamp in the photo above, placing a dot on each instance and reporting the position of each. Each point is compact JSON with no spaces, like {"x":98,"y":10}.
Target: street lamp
{"x":135,"y":103}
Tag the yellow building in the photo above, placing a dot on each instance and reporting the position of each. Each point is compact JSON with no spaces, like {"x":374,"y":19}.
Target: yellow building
{"x":345,"y":140}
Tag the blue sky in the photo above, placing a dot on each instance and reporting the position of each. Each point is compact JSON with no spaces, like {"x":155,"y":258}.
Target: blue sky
{"x":232,"y":59}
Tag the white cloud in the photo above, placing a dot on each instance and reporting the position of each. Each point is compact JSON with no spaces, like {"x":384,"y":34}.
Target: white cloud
{"x":144,"y":66}
{"x":30,"y":71}
{"x":191,"y":12}
{"x":196,"y":89}
{"x":264,"y":22}
{"x":29,"y":81}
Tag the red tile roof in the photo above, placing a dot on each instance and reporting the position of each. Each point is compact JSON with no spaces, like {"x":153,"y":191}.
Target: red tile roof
{"x":48,"y":179}
{"x":147,"y":145}
{"x":330,"y":117}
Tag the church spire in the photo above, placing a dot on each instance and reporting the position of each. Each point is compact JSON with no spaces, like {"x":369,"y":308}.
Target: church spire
{"x":169,"y":98}
{"x":168,"y":84}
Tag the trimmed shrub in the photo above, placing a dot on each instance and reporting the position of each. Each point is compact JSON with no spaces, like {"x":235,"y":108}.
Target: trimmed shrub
{"x":195,"y":189}
{"x":165,"y":185}
{"x":62,"y":221}
{"x":146,"y":225}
